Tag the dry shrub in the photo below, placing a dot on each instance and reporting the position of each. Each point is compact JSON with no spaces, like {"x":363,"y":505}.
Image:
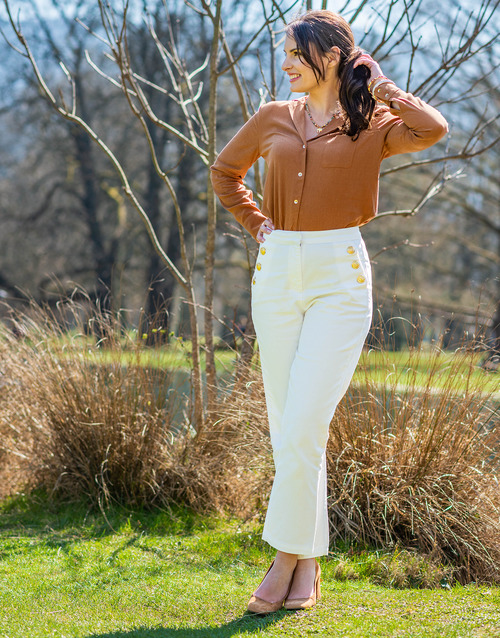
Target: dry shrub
{"x":413,"y":461}
{"x":86,"y":423}
{"x":398,"y":568}
{"x":103,"y":418}
{"x":229,"y":464}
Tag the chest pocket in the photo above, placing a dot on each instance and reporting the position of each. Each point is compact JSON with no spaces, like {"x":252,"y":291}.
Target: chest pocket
{"x":338,"y":151}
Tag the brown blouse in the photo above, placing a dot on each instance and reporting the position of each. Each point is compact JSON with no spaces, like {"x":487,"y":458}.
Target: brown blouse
{"x":328,"y":181}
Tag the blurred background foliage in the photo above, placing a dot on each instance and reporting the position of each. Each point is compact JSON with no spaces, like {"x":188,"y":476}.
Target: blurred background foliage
{"x":67,"y":223}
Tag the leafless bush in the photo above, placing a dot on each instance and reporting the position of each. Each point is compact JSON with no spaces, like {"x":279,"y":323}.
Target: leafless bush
{"x":229,"y":466}
{"x":413,"y":461}
{"x":412,"y":456}
{"x":106,"y":419}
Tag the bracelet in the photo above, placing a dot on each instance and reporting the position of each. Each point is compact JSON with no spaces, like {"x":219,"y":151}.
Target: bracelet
{"x":376,"y":83}
{"x":380,"y":83}
{"x":372,"y":81}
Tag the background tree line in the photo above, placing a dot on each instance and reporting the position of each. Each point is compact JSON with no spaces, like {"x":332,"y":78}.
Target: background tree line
{"x":163,"y":85}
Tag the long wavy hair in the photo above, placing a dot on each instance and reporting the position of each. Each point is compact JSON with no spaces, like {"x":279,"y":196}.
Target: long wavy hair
{"x":315,"y":33}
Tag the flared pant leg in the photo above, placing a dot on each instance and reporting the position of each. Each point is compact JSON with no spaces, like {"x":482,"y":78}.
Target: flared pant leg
{"x":311,"y":306}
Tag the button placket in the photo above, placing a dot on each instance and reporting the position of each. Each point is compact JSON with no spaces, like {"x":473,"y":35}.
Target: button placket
{"x":300,"y":169}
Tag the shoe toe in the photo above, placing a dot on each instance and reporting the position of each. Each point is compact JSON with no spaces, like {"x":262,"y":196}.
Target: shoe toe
{"x":258,"y":605}
{"x":299,"y":603}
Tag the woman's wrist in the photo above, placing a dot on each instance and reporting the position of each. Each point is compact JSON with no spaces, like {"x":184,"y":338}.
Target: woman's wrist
{"x":376,"y":83}
{"x":380,"y":92}
{"x":376,"y":80}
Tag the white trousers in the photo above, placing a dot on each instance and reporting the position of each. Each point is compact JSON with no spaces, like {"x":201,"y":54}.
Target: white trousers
{"x":312,"y":309}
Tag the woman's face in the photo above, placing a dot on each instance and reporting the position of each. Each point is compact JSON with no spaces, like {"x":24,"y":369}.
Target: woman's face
{"x":301,"y":76}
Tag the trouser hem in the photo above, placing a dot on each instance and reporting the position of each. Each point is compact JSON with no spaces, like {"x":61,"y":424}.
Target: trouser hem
{"x":302,"y":552}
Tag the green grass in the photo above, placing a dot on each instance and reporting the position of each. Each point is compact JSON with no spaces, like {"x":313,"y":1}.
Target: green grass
{"x":412,"y":368}
{"x":402,"y":367}
{"x":175,"y":355}
{"x":66,"y":572}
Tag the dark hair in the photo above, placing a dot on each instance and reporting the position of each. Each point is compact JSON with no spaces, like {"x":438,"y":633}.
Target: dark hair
{"x":315,"y":33}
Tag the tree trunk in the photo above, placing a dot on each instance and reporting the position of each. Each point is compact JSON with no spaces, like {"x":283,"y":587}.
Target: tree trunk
{"x":160,"y":283}
{"x":211,"y":216}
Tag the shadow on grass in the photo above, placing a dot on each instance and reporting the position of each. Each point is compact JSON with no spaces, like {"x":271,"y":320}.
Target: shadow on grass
{"x":39,"y":523}
{"x":246,"y":624}
{"x":38,"y":514}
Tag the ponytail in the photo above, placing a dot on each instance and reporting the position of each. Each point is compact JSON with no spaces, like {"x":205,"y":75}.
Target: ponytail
{"x":354,"y":97}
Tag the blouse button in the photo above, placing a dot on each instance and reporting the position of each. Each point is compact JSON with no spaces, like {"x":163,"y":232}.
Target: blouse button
{"x":360,"y":279}
{"x":350,"y":250}
{"x":262,"y":251}
{"x":253,"y":281}
{"x":303,"y":145}
{"x":355,"y":265}
{"x":259,"y":266}
{"x":300,"y":174}
{"x":295,"y":201}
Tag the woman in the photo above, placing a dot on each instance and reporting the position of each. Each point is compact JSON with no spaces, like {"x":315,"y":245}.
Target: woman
{"x":311,"y":290}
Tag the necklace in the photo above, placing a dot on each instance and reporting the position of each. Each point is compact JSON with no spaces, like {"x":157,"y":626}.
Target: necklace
{"x":319,"y":127}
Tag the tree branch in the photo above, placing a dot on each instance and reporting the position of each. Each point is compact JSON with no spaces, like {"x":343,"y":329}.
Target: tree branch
{"x":70,"y":116}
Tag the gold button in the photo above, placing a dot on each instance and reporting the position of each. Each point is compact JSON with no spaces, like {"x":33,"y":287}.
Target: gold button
{"x":295,"y":201}
{"x":259,"y":266}
{"x":253,"y":281}
{"x":350,"y":250}
{"x":355,"y":265}
{"x":262,"y":251}
{"x":360,"y":279}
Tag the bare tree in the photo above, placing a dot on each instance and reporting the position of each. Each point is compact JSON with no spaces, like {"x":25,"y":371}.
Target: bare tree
{"x":399,"y":31}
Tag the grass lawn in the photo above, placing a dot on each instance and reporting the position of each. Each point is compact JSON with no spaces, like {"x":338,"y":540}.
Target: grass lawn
{"x":65,"y":572}
{"x":401,"y":368}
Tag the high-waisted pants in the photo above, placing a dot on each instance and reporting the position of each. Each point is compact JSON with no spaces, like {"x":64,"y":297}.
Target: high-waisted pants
{"x":312,"y":309}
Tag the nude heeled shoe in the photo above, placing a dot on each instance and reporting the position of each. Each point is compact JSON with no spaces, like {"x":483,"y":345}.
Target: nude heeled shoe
{"x":305,"y":603}
{"x":260,"y":606}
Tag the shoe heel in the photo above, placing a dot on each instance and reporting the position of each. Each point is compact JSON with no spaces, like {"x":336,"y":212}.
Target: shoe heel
{"x":304,"y":603}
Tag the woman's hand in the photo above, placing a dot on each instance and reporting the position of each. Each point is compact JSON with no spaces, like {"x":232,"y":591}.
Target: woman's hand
{"x":266,"y":228}
{"x":367,"y":60}
{"x":375,"y":72}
